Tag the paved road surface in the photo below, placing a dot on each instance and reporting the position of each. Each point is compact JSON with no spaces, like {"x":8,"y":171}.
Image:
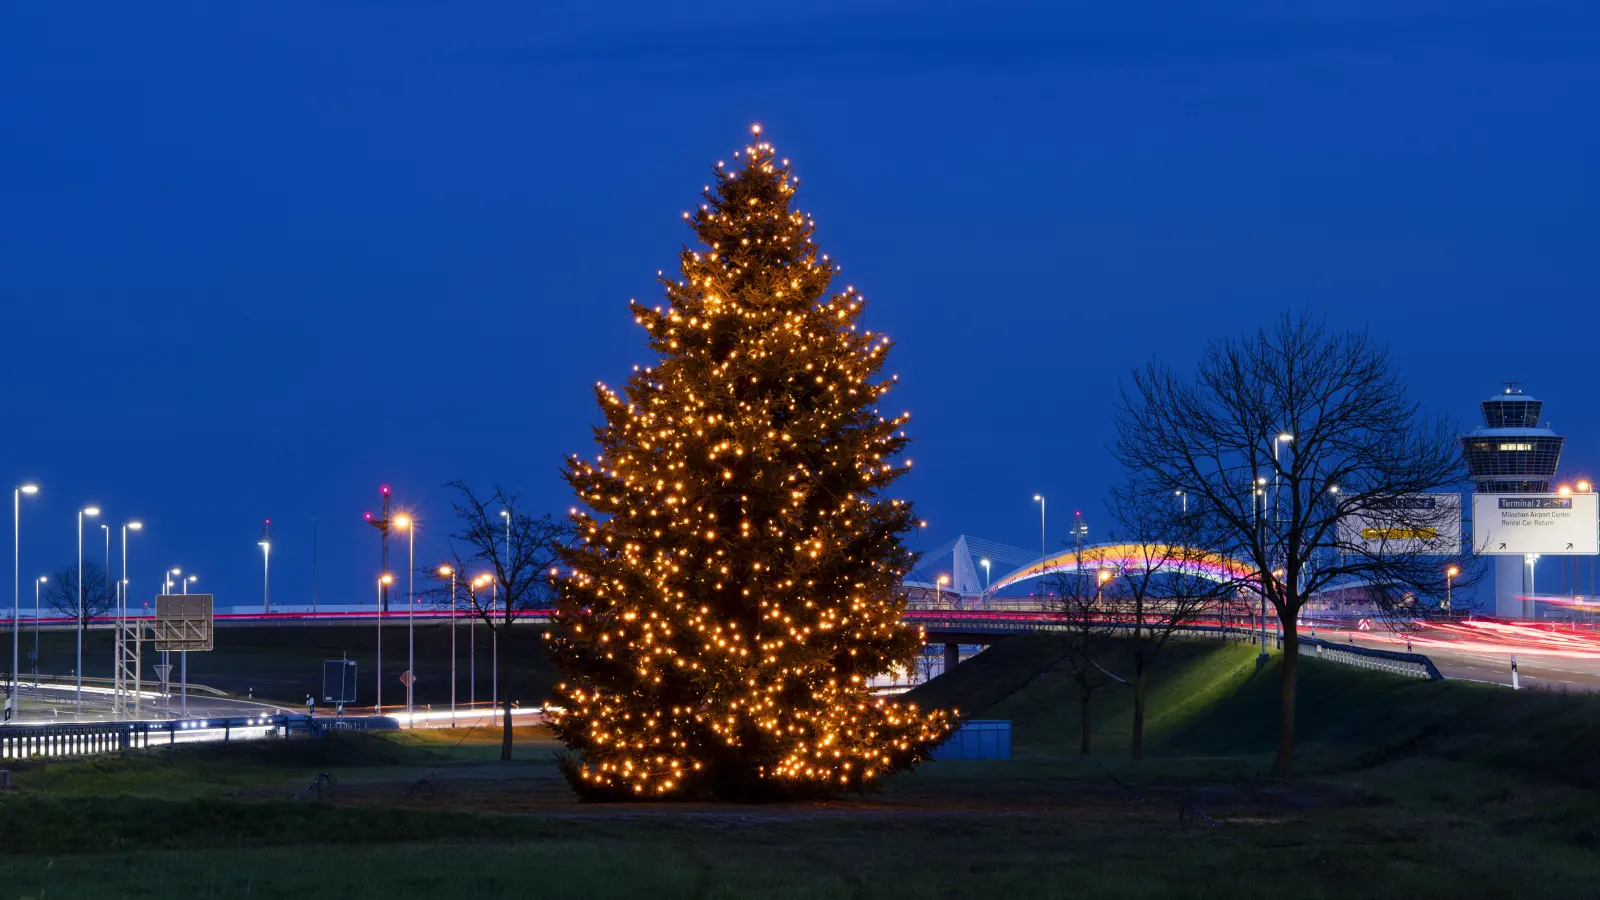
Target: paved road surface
{"x":1553,"y":659}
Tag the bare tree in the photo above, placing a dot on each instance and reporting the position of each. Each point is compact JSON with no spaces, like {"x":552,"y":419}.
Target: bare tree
{"x":60,"y":593}
{"x":1281,"y":440}
{"x":1167,"y":583}
{"x":495,"y":535}
{"x":1089,"y":638}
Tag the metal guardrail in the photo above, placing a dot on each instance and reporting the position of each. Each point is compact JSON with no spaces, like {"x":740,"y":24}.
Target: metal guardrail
{"x":94,"y":738}
{"x":1414,"y":665}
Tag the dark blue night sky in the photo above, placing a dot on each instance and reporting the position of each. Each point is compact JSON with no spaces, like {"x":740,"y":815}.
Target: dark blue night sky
{"x":257,"y":259}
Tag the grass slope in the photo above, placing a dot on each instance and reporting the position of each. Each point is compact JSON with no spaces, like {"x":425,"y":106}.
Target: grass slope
{"x":1026,"y":680}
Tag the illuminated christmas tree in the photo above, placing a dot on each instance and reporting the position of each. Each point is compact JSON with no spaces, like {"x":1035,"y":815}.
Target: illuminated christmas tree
{"x":736,"y":582}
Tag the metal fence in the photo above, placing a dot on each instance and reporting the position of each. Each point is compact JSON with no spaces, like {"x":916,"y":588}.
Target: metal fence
{"x":94,"y":738}
{"x":1414,"y":665}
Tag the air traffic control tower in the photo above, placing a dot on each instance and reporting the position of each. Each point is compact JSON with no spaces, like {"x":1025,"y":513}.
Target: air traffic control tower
{"x":1512,"y":454}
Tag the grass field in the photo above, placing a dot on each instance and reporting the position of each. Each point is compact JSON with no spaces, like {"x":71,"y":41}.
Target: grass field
{"x":1409,"y":789}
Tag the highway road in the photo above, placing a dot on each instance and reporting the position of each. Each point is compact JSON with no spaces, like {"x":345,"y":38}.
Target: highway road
{"x":1548,"y":656}
{"x":56,"y":703}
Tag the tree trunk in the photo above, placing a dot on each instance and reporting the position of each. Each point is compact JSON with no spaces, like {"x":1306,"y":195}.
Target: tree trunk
{"x":1083,"y":719}
{"x":1136,"y":748}
{"x":1291,"y":669}
{"x":505,"y":698}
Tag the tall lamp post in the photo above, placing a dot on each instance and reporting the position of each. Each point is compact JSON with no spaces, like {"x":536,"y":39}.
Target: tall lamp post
{"x":1282,"y":438}
{"x":1449,"y":576}
{"x":16,"y":589}
{"x":494,"y":646}
{"x":266,"y":574}
{"x":383,"y":582}
{"x":472,"y":643}
{"x":183,"y":658}
{"x":38,"y":581}
{"x":404,"y":522}
{"x":985,"y":564}
{"x":1258,"y":502}
{"x":451,"y":572}
{"x":86,"y":511}
{"x":1043,"y":553}
{"x":122,"y":615}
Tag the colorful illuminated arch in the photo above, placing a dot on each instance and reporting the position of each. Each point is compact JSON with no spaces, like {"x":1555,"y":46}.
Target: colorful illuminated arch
{"x":1137,"y":557}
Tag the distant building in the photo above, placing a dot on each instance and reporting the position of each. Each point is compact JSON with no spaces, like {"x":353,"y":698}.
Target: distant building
{"x":1512,"y":454}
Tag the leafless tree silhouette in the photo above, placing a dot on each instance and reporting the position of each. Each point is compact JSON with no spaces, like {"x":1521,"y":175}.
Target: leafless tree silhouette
{"x":1284,"y":438}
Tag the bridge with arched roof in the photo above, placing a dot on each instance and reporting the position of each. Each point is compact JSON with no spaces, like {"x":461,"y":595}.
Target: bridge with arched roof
{"x":965,"y":569}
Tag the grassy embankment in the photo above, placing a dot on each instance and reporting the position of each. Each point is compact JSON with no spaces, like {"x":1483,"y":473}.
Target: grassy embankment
{"x":1409,"y":789}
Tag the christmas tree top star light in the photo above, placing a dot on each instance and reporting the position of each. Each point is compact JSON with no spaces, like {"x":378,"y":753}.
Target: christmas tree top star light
{"x":736,"y":582}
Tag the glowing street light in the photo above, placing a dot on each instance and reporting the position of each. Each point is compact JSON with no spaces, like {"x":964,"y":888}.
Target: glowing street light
{"x":90,"y":511}
{"x":1449,"y":576}
{"x":938,"y":591}
{"x":122,"y":614}
{"x":1584,"y":486}
{"x":985,"y":564}
{"x":40,"y":580}
{"x":450,"y":572}
{"x":383,"y":581}
{"x":1044,"y":554}
{"x":266,"y":571}
{"x":15,"y":710}
{"x":478,"y":584}
{"x":404,"y":523}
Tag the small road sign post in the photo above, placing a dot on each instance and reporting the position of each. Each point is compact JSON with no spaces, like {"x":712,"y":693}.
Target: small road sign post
{"x":339,"y":681}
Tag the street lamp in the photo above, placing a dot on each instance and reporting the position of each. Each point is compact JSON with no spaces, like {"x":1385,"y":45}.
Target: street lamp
{"x":1100,"y":578}
{"x":403,"y":522}
{"x":183,"y":657}
{"x":16,"y":587}
{"x":266,"y":575}
{"x":383,"y":582}
{"x":1183,"y":498}
{"x":1043,"y":553}
{"x":122,"y":615}
{"x":985,"y":564}
{"x":40,"y":580}
{"x":1282,"y":438}
{"x":938,"y":591}
{"x":1449,"y":576}
{"x":478,"y":584}
{"x":90,"y":511}
{"x":451,"y":572}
